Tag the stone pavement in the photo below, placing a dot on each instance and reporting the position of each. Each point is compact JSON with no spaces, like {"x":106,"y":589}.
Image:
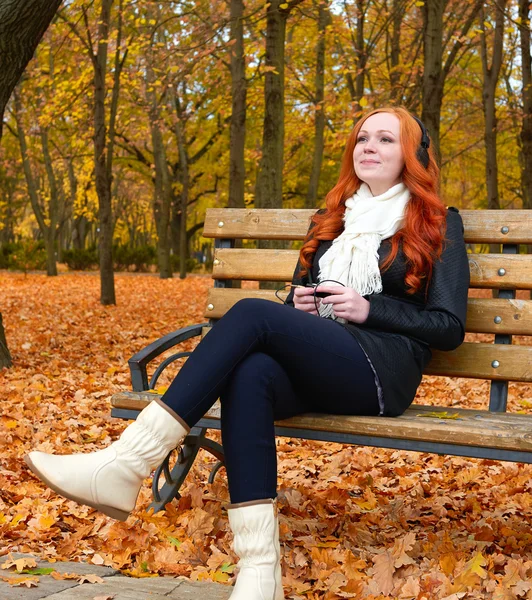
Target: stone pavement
{"x":114,"y":586}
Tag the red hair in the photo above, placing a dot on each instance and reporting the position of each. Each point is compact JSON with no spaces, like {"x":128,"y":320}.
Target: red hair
{"x":424,"y":229}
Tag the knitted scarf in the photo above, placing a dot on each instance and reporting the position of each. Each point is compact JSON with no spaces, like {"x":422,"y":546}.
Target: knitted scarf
{"x":353,"y":257}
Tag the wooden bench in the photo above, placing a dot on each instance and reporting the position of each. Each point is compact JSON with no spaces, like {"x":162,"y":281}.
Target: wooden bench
{"x":492,"y":433}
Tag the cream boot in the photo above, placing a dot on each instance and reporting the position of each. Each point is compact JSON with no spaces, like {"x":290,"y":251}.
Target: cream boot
{"x":256,"y":542}
{"x":110,"y":479}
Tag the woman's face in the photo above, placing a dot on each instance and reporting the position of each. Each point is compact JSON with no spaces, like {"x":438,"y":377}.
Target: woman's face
{"x":378,"y":156}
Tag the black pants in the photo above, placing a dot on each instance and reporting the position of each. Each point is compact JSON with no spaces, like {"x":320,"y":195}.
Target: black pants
{"x":266,"y":361}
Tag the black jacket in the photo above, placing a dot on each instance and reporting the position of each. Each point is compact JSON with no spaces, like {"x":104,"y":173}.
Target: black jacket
{"x":401,"y":328}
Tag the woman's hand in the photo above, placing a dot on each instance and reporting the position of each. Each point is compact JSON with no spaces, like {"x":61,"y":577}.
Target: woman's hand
{"x":304,"y":300}
{"x":347,"y":303}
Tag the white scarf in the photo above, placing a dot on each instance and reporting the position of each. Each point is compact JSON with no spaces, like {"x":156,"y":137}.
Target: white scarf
{"x":353,"y":258}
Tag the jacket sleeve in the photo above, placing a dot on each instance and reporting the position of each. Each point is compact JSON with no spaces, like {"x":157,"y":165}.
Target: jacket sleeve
{"x":299,"y":280}
{"x":440,"y":323}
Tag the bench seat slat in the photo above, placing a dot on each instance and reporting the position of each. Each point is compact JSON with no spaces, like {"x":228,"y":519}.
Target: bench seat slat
{"x":516,"y":315}
{"x":472,"y":427}
{"x":292,"y":224}
{"x":279,"y":265}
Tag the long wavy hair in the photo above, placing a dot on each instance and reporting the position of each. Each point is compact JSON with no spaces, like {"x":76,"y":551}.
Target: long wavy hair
{"x":424,"y":230}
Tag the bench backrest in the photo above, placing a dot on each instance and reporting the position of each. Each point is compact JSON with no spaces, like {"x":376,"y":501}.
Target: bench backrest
{"x":506,"y":271}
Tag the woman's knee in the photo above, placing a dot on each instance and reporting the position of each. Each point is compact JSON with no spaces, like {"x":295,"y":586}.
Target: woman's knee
{"x":252,"y":376}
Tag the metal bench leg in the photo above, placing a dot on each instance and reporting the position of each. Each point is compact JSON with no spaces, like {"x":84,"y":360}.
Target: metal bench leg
{"x":174,"y":479}
{"x":218,"y":452}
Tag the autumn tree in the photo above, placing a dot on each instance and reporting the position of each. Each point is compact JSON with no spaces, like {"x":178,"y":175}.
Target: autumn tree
{"x":268,"y":187}
{"x":47,"y":202}
{"x":444,"y":42}
{"x":319,"y":104}
{"x":22,"y":25}
{"x":526,"y":127}
{"x":237,"y":169}
{"x":104,"y":122}
{"x":491,"y":70}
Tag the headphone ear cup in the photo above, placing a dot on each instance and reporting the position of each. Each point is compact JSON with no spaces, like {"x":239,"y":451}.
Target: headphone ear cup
{"x":423,"y":156}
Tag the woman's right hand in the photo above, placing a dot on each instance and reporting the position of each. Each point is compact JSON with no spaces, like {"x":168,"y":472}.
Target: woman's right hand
{"x":304,"y":300}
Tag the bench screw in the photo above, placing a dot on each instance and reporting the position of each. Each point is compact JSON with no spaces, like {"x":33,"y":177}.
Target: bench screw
{"x":505,"y":229}
{"x":220,"y":223}
{"x":501,"y":272}
{"x":497,"y":320}
{"x":210,"y":306}
{"x":495,"y":364}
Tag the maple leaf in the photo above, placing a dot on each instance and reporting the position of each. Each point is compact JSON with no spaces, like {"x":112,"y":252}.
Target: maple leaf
{"x":475,"y":565}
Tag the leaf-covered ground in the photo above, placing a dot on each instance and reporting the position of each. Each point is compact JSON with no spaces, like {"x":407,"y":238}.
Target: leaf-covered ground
{"x":356,"y":522}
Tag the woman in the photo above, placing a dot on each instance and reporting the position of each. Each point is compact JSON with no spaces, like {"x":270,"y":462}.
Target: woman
{"x":394,"y":266}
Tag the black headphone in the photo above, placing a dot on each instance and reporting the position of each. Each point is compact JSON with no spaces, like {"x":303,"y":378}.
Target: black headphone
{"x":423,"y":150}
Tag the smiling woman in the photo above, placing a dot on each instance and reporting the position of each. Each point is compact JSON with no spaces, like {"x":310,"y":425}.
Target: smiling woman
{"x":360,"y":351}
{"x":378,"y":156}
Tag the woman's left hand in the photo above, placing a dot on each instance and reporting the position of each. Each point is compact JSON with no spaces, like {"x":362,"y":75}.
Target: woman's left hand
{"x":347,"y":303}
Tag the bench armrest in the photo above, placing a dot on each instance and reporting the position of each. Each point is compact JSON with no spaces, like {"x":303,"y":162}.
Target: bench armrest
{"x":139,"y":361}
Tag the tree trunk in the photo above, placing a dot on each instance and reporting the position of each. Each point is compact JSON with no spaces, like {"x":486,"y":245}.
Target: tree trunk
{"x":5,"y":356}
{"x":526,"y":128}
{"x":269,"y":183}
{"x":185,"y":186}
{"x":162,"y":191}
{"x":432,"y":87}
{"x":6,"y":226}
{"x":22,"y":25}
{"x":103,"y":183}
{"x":51,"y":235}
{"x":268,"y":189}
{"x":491,"y":78}
{"x":434,"y":72}
{"x":395,"y":51}
{"x":48,"y":230}
{"x":319,"y":113}
{"x":361,"y":54}
{"x":237,"y":170}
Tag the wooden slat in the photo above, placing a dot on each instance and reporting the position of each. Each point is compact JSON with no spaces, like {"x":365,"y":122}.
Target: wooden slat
{"x":259,"y":265}
{"x":475,"y":360}
{"x":484,"y":271}
{"x":257,"y":224}
{"x":220,"y":300}
{"x":279,"y":265}
{"x":472,"y":427}
{"x":481,"y":226}
{"x":515,"y":315}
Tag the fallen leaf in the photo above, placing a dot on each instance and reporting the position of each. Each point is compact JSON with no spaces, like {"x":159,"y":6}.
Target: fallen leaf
{"x":440,"y":415}
{"x":384,"y":570}
{"x":19,"y":563}
{"x":90,"y":579}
